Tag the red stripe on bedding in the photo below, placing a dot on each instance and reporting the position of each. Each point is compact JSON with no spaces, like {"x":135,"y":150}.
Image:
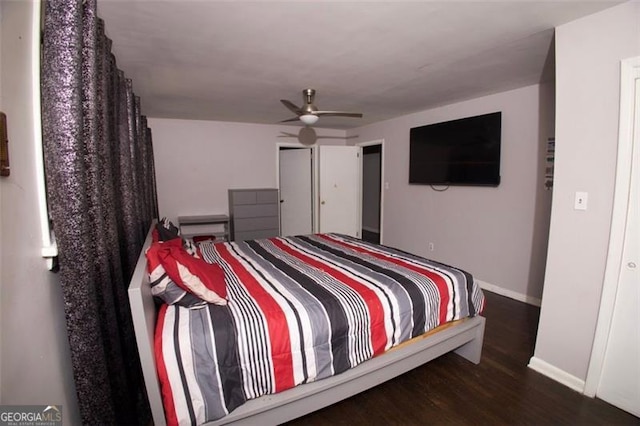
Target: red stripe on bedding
{"x":441,"y":284}
{"x":167,"y":394}
{"x":275,"y":317}
{"x":376,"y":312}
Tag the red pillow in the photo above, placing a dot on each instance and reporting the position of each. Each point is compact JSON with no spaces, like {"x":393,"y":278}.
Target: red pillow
{"x":190,"y":273}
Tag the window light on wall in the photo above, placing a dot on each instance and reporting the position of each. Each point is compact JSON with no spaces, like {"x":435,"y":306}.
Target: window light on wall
{"x":49,"y":247}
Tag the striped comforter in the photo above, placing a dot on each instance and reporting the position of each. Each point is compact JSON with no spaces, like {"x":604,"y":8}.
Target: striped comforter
{"x":300,"y":309}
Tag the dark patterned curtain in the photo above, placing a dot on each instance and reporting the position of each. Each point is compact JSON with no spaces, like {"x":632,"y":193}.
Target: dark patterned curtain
{"x":102,"y":198}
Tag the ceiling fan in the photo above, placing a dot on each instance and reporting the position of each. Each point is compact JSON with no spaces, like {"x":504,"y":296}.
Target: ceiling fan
{"x":308,"y":113}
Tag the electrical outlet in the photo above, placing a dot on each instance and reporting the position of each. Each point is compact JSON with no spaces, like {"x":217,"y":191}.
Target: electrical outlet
{"x":431,"y":247}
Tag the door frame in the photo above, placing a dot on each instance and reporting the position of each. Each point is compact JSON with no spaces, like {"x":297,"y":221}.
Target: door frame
{"x":314,"y":177}
{"x":629,"y":72}
{"x":383,"y":183}
{"x":315,"y":184}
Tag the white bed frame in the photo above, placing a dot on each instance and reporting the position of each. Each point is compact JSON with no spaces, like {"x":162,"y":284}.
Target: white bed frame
{"x":464,"y":338}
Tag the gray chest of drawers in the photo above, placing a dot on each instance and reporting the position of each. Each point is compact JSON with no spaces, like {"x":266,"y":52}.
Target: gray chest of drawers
{"x":254,"y":213}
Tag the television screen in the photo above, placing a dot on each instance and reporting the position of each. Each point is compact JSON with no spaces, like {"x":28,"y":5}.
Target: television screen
{"x":457,"y":152}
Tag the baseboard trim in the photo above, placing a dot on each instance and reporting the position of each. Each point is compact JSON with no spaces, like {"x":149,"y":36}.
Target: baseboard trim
{"x":556,"y":374}
{"x":509,"y":293}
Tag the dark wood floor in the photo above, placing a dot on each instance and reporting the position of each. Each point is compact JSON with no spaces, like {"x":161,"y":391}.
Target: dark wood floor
{"x":501,"y":390}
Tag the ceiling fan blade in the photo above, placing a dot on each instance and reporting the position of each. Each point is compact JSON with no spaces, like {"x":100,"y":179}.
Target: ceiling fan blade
{"x":287,"y":135}
{"x":291,"y":119}
{"x":339,"y":114}
{"x":291,"y":106}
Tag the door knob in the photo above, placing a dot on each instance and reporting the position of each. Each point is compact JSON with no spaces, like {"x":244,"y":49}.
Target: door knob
{"x":322,"y":202}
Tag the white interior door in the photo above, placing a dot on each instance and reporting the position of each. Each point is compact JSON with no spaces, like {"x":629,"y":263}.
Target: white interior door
{"x":620,"y":378}
{"x":295,"y":191}
{"x":339,"y":189}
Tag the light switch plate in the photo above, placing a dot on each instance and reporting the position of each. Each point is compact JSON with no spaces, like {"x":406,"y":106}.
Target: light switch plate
{"x":581,"y":200}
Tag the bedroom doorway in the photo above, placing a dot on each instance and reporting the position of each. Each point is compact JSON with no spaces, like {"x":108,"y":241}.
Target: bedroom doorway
{"x":333,"y":174}
{"x":372,"y":193}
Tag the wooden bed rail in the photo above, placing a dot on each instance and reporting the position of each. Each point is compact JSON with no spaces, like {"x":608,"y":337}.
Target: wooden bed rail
{"x":144,"y":313}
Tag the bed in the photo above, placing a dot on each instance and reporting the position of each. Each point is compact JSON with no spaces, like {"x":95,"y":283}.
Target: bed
{"x":377,"y":332}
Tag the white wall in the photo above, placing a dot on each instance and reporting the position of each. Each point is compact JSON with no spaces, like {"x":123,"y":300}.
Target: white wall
{"x":497,"y":234}
{"x":198,"y":161}
{"x":588,"y":57}
{"x":35,"y":363}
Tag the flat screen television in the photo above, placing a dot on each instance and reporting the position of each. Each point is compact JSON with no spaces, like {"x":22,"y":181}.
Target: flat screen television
{"x":457,"y":152}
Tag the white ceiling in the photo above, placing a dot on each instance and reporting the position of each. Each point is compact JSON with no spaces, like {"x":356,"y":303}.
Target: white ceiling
{"x":234,"y":60}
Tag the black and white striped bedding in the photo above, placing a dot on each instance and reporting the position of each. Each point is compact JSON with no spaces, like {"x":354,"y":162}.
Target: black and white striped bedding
{"x":300,"y":309}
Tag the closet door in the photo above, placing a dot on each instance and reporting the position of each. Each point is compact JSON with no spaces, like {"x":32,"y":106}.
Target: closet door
{"x":339,"y":189}
{"x":295,"y":191}
{"x":620,"y":378}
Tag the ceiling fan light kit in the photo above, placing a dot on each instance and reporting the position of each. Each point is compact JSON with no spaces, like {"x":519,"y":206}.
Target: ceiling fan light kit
{"x":309,"y":119}
{"x":309,"y":113}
